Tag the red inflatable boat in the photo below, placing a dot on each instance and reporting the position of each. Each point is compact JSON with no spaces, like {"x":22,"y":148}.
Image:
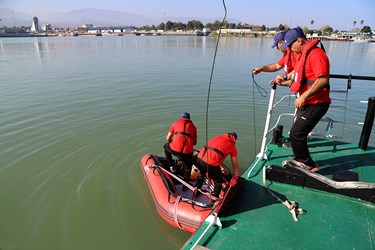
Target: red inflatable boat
{"x":184,"y":209}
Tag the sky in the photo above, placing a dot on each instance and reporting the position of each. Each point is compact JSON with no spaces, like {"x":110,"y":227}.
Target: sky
{"x":339,"y":14}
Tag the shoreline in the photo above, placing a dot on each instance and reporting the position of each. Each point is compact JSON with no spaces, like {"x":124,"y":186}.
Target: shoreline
{"x":172,"y":33}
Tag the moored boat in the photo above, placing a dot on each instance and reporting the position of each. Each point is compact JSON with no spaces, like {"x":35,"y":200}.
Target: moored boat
{"x":360,"y":39}
{"x":185,"y":208}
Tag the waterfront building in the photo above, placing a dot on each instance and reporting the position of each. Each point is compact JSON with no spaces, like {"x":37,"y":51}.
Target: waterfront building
{"x":111,"y":30}
{"x":47,"y":27}
{"x":35,"y":25}
{"x":88,"y":26}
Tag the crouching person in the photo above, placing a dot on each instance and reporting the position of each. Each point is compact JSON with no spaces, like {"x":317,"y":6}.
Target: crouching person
{"x":212,"y":155}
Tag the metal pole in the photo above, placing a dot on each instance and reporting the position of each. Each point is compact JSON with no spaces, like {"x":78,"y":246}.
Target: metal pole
{"x":369,"y":78}
{"x":367,"y":126}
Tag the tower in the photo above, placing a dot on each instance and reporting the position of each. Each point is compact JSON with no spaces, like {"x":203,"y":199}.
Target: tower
{"x":35,"y":25}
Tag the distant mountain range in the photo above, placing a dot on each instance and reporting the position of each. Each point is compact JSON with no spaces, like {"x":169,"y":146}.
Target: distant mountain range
{"x":97,"y":17}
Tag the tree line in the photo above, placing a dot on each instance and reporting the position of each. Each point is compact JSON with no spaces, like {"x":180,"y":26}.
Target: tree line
{"x":198,"y":25}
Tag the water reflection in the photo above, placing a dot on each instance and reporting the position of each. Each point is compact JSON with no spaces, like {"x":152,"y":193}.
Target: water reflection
{"x":1,"y":46}
{"x":39,"y":51}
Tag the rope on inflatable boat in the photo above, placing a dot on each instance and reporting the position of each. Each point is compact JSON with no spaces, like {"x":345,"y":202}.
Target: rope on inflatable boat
{"x":175,"y":211}
{"x":194,"y":189}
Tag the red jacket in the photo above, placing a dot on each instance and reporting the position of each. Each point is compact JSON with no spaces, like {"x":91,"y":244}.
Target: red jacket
{"x":313,"y":64}
{"x":289,"y":60}
{"x":184,"y":134}
{"x":217,"y":149}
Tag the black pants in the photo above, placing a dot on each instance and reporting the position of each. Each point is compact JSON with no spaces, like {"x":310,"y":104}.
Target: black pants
{"x":214,"y":173}
{"x":306,"y":119}
{"x":186,"y":159}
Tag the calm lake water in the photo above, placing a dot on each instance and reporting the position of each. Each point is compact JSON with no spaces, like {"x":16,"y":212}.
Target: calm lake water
{"x":78,"y":113}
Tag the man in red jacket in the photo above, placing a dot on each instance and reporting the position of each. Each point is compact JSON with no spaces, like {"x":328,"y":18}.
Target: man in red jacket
{"x":311,"y":82}
{"x":287,"y":61}
{"x":212,"y":155}
{"x":181,"y":138}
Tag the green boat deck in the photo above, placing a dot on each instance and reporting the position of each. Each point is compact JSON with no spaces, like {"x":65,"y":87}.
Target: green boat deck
{"x":257,"y":220}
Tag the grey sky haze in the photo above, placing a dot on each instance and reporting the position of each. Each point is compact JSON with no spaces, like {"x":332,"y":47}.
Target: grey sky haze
{"x":339,"y":14}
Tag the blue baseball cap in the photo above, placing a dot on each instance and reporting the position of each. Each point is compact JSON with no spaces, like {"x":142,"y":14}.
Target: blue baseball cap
{"x":234,"y":134}
{"x":277,"y":38}
{"x":185,"y":115}
{"x":291,"y":36}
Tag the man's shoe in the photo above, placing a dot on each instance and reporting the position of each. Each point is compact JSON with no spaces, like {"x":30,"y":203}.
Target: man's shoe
{"x":315,"y":168}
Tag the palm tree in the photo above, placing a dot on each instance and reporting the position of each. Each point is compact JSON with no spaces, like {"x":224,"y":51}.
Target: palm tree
{"x":312,"y":23}
{"x":354,"y":23}
{"x":361,"y":22}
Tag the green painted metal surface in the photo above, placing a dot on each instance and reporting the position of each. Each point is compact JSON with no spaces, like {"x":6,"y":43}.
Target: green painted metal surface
{"x":257,"y":220}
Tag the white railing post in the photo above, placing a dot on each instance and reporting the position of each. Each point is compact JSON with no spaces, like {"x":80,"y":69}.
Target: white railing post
{"x":262,"y":152}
